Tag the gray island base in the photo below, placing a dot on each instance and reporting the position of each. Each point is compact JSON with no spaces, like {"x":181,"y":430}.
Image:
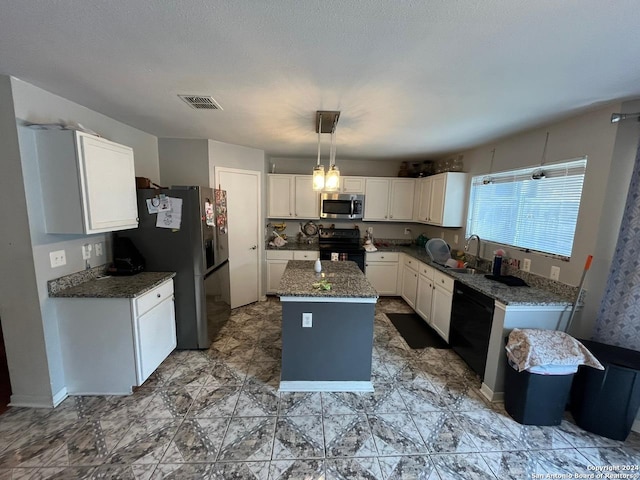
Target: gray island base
{"x":331,"y":350}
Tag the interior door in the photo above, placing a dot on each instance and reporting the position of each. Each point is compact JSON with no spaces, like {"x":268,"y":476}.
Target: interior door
{"x":245,"y":243}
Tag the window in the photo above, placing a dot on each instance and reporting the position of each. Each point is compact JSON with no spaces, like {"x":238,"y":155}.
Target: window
{"x":515,"y":209}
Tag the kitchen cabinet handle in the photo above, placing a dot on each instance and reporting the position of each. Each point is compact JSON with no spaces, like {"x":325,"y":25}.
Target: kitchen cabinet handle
{"x":158,"y":295}
{"x":390,"y":216}
{"x":254,"y":247}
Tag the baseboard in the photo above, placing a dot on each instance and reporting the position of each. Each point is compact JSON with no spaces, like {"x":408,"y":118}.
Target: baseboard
{"x":34,"y":401}
{"x":490,"y":394}
{"x":307,"y":386}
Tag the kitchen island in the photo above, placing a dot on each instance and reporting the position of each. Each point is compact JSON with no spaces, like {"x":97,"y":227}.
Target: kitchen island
{"x":327,"y":334}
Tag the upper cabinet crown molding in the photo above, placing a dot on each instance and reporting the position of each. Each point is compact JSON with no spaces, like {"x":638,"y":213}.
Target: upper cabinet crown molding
{"x":292,"y":196}
{"x":88,"y":183}
{"x":440,"y":199}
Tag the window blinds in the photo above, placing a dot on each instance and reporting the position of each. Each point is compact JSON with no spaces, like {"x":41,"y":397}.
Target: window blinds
{"x":513,"y":209}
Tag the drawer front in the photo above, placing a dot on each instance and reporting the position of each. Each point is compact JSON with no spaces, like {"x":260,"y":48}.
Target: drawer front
{"x":305,"y":255}
{"x":279,"y":255}
{"x":445,"y":281}
{"x":411,"y":262}
{"x":426,"y":271}
{"x":150,"y":299}
{"x":383,"y":257}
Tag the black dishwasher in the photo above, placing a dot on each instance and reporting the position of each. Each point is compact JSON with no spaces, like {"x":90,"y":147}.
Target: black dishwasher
{"x":470,"y":329}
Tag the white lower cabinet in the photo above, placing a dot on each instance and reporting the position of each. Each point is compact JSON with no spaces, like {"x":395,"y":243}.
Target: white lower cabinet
{"x":381,"y":269}
{"x":433,"y":298}
{"x":441,"y":304}
{"x":110,"y":345}
{"x":410,"y":280}
{"x":277,"y":261}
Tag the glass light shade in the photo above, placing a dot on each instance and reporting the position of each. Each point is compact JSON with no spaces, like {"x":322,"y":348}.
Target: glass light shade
{"x":332,"y":180}
{"x":318,"y":178}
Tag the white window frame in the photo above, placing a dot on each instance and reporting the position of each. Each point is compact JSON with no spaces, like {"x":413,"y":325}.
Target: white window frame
{"x":502,"y":209}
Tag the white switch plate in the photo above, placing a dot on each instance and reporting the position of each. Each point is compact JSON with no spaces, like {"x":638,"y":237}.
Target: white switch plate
{"x":58,"y":258}
{"x":370,"y":230}
{"x":455,"y":239}
{"x":86,"y":251}
{"x":526,"y":265}
{"x":307,"y":320}
{"x":98,"y":249}
{"x":407,"y":231}
{"x":555,"y":273}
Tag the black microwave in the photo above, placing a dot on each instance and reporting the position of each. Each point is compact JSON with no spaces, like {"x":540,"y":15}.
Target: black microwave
{"x":341,"y":205}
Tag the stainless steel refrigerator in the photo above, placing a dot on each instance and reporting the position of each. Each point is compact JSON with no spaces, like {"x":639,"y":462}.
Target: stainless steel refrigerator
{"x":183,"y":229}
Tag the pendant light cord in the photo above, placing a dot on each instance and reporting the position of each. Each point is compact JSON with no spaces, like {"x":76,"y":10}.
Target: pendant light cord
{"x":319,"y":133}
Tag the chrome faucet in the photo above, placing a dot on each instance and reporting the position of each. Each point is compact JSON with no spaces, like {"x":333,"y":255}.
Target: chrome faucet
{"x":468,"y":241}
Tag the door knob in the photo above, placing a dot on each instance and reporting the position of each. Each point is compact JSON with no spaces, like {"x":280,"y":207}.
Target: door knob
{"x":254,"y":247}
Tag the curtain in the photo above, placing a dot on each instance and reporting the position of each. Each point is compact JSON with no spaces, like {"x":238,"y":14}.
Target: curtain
{"x":618,"y":321}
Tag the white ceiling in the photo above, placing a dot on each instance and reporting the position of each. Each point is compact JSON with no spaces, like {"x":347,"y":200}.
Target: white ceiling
{"x":411,"y":78}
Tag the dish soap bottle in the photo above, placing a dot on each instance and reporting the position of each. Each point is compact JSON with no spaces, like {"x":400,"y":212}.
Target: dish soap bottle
{"x":317,"y":267}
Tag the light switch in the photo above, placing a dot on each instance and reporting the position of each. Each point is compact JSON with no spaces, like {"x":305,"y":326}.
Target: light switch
{"x":99,"y":249}
{"x":86,"y":251}
{"x":526,"y":265}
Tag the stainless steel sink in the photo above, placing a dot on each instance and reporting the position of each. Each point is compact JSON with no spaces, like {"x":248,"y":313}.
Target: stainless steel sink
{"x":469,"y":271}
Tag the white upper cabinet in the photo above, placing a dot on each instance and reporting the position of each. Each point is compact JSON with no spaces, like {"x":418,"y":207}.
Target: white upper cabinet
{"x":88,"y":183}
{"x":292,"y":196}
{"x":389,"y":199}
{"x":440,"y":199}
{"x":354,"y":185}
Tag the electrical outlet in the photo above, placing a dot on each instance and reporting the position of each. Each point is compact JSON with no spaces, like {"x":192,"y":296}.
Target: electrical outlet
{"x":555,"y":273}
{"x":98,"y":248}
{"x":442,"y":234}
{"x":455,"y":239}
{"x":370,"y":230}
{"x":307,"y":320}
{"x":58,"y":258}
{"x":407,"y":231}
{"x":526,"y":265}
{"x":86,"y":251}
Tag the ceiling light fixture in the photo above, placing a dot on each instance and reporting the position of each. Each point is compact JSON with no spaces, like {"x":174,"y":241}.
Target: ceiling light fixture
{"x":326,"y":122}
{"x":616,"y":117}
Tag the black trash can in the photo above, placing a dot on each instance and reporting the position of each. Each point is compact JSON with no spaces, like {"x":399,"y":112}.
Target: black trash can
{"x":534,"y":399}
{"x":606,"y":401}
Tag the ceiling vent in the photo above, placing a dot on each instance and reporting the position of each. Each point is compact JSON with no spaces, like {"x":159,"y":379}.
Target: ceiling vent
{"x":200,"y":102}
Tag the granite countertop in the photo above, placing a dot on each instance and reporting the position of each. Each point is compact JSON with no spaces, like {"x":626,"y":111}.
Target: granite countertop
{"x":130,"y":286}
{"x":296,"y":246}
{"x":347,"y":281}
{"x":525,"y":296}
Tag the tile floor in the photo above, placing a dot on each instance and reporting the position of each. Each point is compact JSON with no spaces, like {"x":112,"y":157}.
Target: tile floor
{"x":217,"y":414}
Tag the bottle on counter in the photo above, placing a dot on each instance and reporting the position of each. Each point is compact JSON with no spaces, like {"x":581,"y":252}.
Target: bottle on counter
{"x":497,"y":262}
{"x":317,"y":267}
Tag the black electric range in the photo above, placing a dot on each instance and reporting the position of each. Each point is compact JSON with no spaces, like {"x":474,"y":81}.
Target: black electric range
{"x":341,"y":244}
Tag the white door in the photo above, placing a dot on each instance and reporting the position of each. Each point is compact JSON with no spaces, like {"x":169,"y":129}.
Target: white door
{"x":245,"y":241}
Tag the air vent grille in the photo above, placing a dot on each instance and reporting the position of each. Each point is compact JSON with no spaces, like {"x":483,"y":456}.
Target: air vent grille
{"x":200,"y":102}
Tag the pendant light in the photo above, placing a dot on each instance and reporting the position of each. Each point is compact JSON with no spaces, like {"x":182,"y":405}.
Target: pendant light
{"x":326,"y":121}
{"x":318,"y":170}
{"x":332,"y":181}
{"x":538,"y":173}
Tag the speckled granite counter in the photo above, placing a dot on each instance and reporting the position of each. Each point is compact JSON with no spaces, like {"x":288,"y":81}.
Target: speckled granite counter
{"x":531,"y":296}
{"x":110,"y":287}
{"x":347,"y":281}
